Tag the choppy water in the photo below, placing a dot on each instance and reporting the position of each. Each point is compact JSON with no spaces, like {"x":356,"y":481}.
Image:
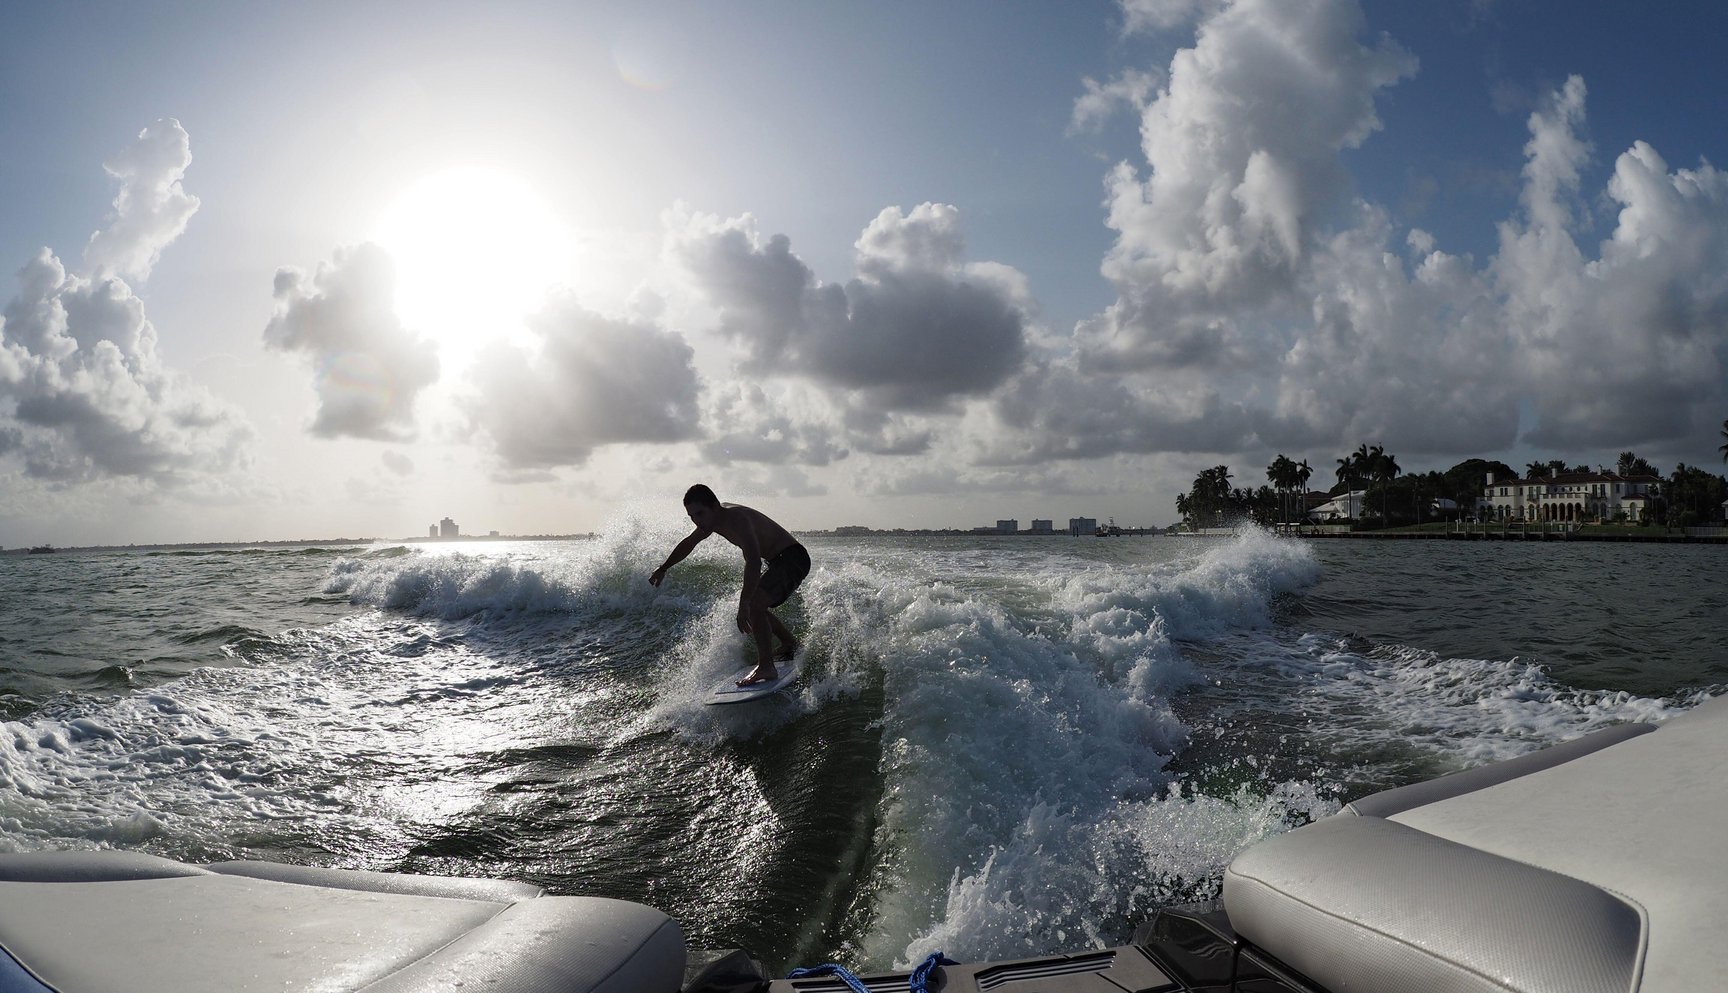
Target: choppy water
{"x":1001,"y":746}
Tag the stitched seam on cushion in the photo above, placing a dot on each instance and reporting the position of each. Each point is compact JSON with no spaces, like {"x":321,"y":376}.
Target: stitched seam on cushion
{"x":436,"y":951}
{"x":1373,"y":930}
{"x":1626,"y":898}
{"x":669,"y":922}
{"x":27,"y":970}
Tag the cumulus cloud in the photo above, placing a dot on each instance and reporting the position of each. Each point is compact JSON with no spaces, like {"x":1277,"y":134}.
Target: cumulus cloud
{"x":1131,"y":90}
{"x":1057,"y":411}
{"x":1245,"y":180}
{"x":151,"y":209}
{"x":589,"y":380}
{"x":1246,"y":260}
{"x":1163,"y":15}
{"x":916,"y":330}
{"x":84,"y":396}
{"x":744,"y":424}
{"x":1599,"y":339}
{"x":367,"y":367}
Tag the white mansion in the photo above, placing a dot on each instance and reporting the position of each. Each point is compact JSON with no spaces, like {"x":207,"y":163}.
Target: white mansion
{"x":1571,"y":496}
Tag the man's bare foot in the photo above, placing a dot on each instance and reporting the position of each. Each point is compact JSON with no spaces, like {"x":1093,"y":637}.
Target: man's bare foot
{"x":786,"y":652}
{"x":763,"y":673}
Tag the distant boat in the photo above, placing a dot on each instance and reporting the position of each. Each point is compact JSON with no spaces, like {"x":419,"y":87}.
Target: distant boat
{"x":41,"y":549}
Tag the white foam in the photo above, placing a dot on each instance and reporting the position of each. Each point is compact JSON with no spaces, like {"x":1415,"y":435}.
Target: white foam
{"x":1065,"y":882}
{"x":584,"y":578}
{"x":1471,"y":710}
{"x":311,"y":746}
{"x":1022,"y":752}
{"x":1029,"y":715}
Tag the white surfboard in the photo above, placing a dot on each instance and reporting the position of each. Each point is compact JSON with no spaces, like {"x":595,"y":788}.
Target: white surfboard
{"x":730,"y":692}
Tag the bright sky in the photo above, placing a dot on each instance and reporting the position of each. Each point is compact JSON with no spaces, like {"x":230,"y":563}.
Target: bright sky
{"x":343,"y":269}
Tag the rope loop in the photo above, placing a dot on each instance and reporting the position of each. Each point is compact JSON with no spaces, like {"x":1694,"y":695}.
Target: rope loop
{"x":918,"y":982}
{"x":921,"y":975}
{"x":834,"y":969}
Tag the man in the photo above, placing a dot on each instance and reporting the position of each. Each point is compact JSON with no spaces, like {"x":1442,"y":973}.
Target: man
{"x":758,"y":537}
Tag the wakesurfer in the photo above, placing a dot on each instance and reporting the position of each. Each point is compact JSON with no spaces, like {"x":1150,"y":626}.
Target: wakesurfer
{"x":759,"y":538}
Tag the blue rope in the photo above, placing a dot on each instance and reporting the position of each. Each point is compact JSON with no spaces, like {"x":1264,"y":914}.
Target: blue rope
{"x":916,"y":983}
{"x":831,"y":969}
{"x":921,"y":975}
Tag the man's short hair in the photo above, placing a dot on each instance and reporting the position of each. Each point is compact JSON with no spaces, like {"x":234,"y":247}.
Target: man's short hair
{"x":701,"y":494}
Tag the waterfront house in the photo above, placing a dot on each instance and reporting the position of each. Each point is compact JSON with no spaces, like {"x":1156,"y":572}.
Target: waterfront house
{"x":1571,"y":496}
{"x":1343,"y":507}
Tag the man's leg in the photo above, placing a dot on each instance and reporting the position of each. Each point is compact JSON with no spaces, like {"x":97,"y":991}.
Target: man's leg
{"x":788,"y":644}
{"x":763,"y":631}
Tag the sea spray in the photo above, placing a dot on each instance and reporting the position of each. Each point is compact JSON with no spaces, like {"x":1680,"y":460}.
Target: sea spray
{"x":1468,"y":710}
{"x":999,"y":746}
{"x":1015,"y":750}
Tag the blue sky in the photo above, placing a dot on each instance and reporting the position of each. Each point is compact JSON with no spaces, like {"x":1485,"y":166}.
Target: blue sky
{"x":892,"y":264}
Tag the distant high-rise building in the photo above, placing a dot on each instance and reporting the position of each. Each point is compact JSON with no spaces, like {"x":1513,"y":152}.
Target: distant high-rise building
{"x":447,"y":529}
{"x":432,"y":532}
{"x":1008,"y":527}
{"x":1042,"y":527}
{"x":1082,"y":525}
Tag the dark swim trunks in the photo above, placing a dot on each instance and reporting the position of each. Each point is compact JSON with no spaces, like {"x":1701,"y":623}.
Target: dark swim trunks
{"x":785,"y":571}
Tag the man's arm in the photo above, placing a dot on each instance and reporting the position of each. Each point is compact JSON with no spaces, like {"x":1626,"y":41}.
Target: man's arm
{"x":678,"y":555}
{"x":752,"y":574}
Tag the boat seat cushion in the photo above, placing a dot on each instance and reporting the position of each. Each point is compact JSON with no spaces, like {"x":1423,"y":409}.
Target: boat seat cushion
{"x":1365,"y":903}
{"x":1646,"y":818}
{"x":90,"y":867}
{"x":495,"y":890}
{"x":1600,"y":864}
{"x":154,"y":930}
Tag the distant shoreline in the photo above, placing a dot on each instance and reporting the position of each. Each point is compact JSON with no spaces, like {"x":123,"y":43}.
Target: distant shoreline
{"x":200,"y":546}
{"x":1560,"y":537}
{"x":1506,"y":535}
{"x":1390,"y":535}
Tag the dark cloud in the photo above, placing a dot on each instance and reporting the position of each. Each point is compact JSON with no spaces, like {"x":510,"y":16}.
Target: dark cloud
{"x":397,"y":463}
{"x":915,"y":330}
{"x":589,"y":381}
{"x":367,"y":367}
{"x":83,"y":395}
{"x":1059,"y":412}
{"x":744,"y":424}
{"x":877,"y":433}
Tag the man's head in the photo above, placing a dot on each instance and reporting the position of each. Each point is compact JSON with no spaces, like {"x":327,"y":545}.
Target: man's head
{"x":701,"y":504}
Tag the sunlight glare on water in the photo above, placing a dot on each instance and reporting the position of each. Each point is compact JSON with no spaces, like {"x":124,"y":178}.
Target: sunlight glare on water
{"x":999,"y":747}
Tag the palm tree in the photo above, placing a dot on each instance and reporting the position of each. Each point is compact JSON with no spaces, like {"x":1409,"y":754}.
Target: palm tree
{"x":1218,"y":490}
{"x":1282,"y":475}
{"x":1353,"y":468}
{"x":1302,"y":474}
{"x":1384,"y":468}
{"x":1724,"y":448}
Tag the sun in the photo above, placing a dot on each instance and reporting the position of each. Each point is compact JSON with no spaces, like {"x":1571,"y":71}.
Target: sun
{"x":476,"y":250}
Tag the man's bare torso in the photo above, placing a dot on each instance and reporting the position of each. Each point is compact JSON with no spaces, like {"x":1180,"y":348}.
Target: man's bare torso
{"x":770,"y":538}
